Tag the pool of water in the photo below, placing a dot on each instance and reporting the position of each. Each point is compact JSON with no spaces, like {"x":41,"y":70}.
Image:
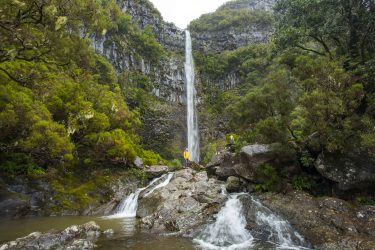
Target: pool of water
{"x":127,"y":233}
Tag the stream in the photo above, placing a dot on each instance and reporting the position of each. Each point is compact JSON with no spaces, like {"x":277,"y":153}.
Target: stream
{"x":225,"y":231}
{"x":127,"y":235}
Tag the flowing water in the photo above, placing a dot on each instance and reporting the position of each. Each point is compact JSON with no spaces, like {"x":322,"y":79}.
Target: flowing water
{"x":127,"y":233}
{"x":228,"y":231}
{"x":192,"y":118}
{"x":276,"y":229}
{"x":128,"y":206}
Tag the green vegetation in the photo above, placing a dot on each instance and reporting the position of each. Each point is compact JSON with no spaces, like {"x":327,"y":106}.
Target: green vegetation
{"x":229,"y":18}
{"x":61,"y":104}
{"x":310,"y":90}
{"x":266,"y":177}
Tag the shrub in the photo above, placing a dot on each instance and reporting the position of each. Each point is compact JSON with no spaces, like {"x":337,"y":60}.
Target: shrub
{"x":266,"y":177}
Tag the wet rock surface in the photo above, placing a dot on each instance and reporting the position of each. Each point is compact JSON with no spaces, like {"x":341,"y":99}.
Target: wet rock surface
{"x":185,"y":203}
{"x":351,"y":170}
{"x":72,"y":238}
{"x":328,"y":223}
{"x":156,"y":171}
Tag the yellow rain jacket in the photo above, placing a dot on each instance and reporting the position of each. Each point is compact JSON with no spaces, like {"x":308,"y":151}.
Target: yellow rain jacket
{"x":186,"y":155}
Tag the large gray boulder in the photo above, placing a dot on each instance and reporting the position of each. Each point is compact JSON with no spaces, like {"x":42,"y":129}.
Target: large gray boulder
{"x":244,"y":165}
{"x":350,"y":170}
{"x":185,"y":203}
{"x":73,"y":237}
{"x":252,"y":157}
{"x":156,"y":171}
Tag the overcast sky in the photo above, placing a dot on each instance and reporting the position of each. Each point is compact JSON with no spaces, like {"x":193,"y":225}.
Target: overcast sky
{"x":181,"y":12}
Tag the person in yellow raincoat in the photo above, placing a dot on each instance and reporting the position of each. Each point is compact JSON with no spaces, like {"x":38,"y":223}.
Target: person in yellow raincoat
{"x":186,"y":156}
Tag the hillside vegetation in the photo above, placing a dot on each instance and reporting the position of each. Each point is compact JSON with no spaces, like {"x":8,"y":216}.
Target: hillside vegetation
{"x":310,"y":88}
{"x":61,"y":104}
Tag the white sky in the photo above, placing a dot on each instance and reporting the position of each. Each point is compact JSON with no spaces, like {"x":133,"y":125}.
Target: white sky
{"x":181,"y":12}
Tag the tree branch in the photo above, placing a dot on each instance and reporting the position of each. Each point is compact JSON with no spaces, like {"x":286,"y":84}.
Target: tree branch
{"x":311,"y":50}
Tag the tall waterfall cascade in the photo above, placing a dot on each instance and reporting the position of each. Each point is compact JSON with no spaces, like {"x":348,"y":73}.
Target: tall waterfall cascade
{"x":128,"y":206}
{"x":191,"y":100}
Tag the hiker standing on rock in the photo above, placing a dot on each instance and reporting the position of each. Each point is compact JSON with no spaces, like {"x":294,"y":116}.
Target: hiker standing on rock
{"x":186,"y":157}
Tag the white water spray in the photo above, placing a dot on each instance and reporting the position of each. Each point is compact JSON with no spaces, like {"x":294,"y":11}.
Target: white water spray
{"x":228,"y":231}
{"x":160,"y":185}
{"x":280,"y":231}
{"x":192,"y":118}
{"x":128,"y":206}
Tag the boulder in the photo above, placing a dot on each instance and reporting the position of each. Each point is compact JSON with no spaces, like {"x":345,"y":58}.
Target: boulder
{"x":255,"y":149}
{"x":351,"y":170}
{"x":73,"y":237}
{"x":156,"y":171}
{"x":218,"y":158}
{"x":138,"y":162}
{"x":13,"y":206}
{"x":233,"y":184}
{"x":184,"y":204}
{"x":195,"y":166}
{"x":250,"y":158}
{"x":327,"y":223}
{"x":244,"y":165}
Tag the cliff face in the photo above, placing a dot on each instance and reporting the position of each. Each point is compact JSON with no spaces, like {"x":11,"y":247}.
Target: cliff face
{"x":163,"y":117}
{"x":168,"y":73}
{"x":233,"y":25}
{"x":144,"y":14}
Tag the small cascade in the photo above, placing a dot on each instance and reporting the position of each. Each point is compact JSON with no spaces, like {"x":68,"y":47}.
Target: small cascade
{"x":128,"y":206}
{"x":276,"y":229}
{"x":160,"y":185}
{"x":228,"y":231}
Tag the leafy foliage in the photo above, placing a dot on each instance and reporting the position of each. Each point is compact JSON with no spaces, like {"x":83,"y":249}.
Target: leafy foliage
{"x":60,"y":103}
{"x":267,"y":177}
{"x":236,"y":19}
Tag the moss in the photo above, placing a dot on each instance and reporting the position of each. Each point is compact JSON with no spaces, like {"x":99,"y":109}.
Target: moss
{"x":72,"y":193}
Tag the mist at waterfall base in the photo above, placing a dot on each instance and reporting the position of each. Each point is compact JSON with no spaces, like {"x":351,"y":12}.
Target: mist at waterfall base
{"x":192,"y":118}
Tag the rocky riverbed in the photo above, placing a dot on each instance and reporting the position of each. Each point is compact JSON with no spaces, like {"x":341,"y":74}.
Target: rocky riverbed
{"x":73,"y":238}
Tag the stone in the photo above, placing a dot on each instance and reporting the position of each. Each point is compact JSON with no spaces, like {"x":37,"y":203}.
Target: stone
{"x":195,"y":166}
{"x":327,"y":223}
{"x":255,"y":149}
{"x":185,"y":203}
{"x":74,"y":237}
{"x":156,"y":171}
{"x":138,"y":162}
{"x":349,"y":170}
{"x":233,"y":184}
{"x":250,"y":158}
{"x":218,"y":158}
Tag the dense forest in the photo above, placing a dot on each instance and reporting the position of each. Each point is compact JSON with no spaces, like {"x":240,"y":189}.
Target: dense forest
{"x":63,"y":105}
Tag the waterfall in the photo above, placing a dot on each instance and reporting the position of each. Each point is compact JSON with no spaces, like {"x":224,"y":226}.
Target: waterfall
{"x":192,"y":118}
{"x":277,"y":230}
{"x":128,"y":206}
{"x":228,"y":231}
{"x":160,"y":185}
